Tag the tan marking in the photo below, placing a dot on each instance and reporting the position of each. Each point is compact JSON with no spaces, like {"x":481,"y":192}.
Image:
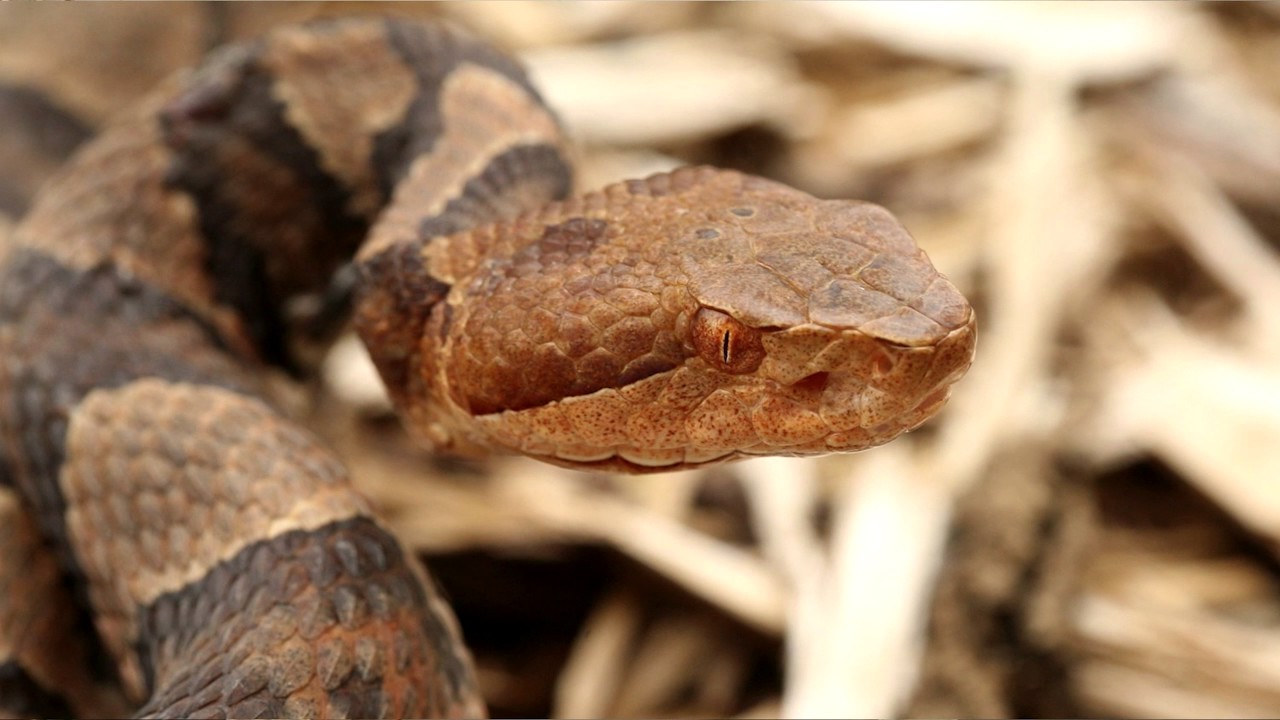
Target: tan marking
{"x":484,"y":113}
{"x":78,"y":220}
{"x":365,"y":89}
{"x":152,"y":521}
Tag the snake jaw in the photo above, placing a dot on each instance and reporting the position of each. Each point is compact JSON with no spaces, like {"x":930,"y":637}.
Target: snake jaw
{"x":817,"y":391}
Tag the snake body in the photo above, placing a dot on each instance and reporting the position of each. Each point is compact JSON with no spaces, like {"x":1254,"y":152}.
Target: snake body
{"x":692,"y":317}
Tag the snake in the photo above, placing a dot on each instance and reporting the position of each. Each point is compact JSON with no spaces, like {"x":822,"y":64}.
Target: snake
{"x":171,"y":534}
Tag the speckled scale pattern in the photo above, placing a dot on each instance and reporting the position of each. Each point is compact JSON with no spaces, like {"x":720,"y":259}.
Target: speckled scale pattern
{"x":64,"y":332}
{"x":153,"y":514}
{"x":322,"y":623}
{"x":568,"y":314}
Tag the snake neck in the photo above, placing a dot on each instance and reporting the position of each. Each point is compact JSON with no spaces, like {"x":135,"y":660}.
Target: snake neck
{"x":484,"y":149}
{"x":419,"y":131}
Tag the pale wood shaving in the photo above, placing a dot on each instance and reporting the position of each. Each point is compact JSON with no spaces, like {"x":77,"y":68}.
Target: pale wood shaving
{"x":622,"y":93}
{"x":1123,"y":691}
{"x":1229,"y":403}
{"x":859,"y":657}
{"x":1220,"y":238}
{"x":527,"y":23}
{"x":1075,"y":40}
{"x":588,"y":685}
{"x":1242,"y":665}
{"x":930,"y":120}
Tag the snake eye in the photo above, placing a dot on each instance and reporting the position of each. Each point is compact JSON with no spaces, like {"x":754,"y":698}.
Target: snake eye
{"x":726,"y":344}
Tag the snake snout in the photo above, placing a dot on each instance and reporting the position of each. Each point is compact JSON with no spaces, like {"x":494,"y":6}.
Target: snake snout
{"x":925,"y":378}
{"x":859,"y":390}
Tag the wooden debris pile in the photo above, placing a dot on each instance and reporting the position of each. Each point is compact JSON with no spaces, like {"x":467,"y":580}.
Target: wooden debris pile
{"x":1092,"y":526}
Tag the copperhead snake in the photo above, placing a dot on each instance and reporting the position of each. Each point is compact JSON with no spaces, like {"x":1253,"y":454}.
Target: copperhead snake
{"x":230,"y":570}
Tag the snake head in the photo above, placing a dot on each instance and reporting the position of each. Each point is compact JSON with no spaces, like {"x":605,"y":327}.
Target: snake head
{"x":831,"y":328}
{"x":689,"y":318}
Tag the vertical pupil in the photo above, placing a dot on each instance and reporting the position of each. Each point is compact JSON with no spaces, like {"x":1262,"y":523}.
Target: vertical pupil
{"x":724,"y":347}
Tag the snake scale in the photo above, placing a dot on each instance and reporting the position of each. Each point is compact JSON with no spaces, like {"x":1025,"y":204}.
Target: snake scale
{"x":413,"y":174}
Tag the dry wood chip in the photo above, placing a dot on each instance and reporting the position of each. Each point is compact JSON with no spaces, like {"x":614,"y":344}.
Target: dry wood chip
{"x":673,"y":87}
{"x":1234,"y":667}
{"x":535,"y":24}
{"x":1120,"y":690}
{"x":1211,"y":414}
{"x":588,"y":684}
{"x":1109,"y":42}
{"x":917,"y":123}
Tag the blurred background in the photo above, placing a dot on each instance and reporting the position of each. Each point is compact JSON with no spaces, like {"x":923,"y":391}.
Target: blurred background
{"x":1091,"y":527}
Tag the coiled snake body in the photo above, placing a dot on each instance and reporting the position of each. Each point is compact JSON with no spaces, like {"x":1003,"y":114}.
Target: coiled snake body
{"x":688,"y":318}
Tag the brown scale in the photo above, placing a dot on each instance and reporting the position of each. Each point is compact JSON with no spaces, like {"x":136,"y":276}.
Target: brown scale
{"x":684,"y":319}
